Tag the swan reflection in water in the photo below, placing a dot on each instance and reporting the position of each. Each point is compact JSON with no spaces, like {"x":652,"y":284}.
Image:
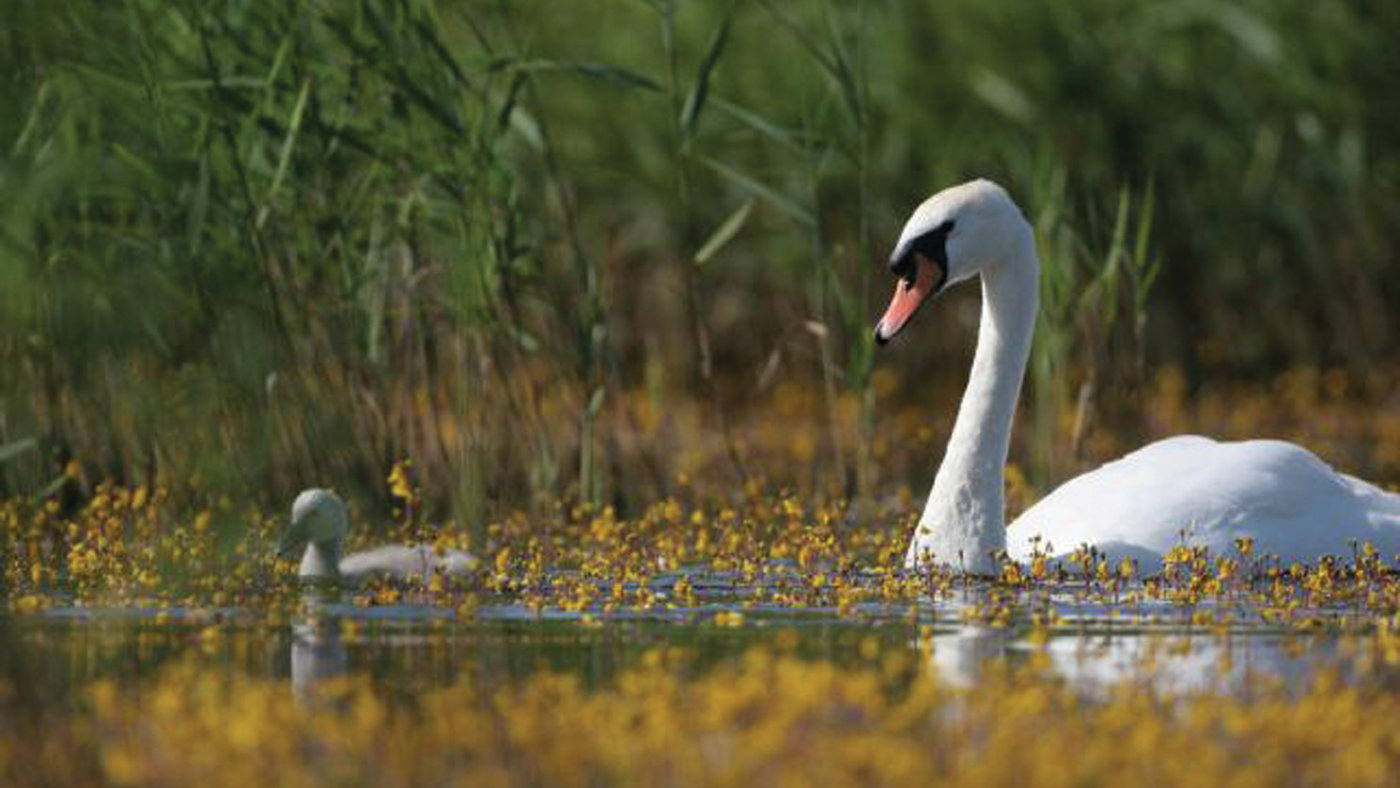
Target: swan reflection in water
{"x":1167,"y":663}
{"x":1092,"y":662}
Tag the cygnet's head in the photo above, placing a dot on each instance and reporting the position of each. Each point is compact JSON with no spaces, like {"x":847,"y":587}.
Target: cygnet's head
{"x":318,"y":517}
{"x":952,"y":236}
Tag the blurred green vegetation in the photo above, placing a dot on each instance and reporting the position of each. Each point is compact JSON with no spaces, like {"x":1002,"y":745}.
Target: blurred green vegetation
{"x":544,"y":247}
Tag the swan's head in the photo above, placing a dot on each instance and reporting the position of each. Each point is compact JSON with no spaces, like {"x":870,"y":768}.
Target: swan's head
{"x":318,"y":516}
{"x":955,"y":234}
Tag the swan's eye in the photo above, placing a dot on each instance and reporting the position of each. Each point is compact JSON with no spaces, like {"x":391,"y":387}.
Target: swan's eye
{"x":904,"y":267}
{"x":932,"y":244}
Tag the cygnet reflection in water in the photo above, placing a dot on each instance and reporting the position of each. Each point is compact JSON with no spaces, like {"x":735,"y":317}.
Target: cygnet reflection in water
{"x":317,"y":651}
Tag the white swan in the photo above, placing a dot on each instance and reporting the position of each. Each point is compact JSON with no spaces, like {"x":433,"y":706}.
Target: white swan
{"x":320,"y":521}
{"x":1280,"y":495}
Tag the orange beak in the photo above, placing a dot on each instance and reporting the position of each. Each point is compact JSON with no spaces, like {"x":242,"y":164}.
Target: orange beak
{"x":908,"y":297}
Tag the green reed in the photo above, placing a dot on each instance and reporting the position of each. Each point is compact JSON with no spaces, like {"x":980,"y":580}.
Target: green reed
{"x":267,"y":246}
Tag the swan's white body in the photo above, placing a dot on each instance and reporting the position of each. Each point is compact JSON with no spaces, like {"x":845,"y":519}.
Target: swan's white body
{"x":1182,"y":490}
{"x":1197,"y":491}
{"x":319,"y":519}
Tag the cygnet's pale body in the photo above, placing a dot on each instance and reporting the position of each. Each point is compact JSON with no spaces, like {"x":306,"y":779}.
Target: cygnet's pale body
{"x":320,"y":521}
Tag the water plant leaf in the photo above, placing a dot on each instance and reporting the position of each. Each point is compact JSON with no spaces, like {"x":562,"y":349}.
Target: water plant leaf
{"x":724,"y":233}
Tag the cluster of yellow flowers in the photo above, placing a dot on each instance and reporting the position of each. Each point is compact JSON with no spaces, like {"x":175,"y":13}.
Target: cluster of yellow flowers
{"x":879,"y":714}
{"x":763,"y":716}
{"x":126,"y":548}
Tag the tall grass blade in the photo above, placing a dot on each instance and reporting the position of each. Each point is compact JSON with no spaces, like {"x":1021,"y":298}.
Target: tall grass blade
{"x":616,"y":75}
{"x":12,"y":450}
{"x":767,"y":128}
{"x":428,"y":34}
{"x":724,"y":233}
{"x":803,"y":38}
{"x":288,"y":142}
{"x":695,"y":101}
{"x":842,"y":71}
{"x":761,"y":190}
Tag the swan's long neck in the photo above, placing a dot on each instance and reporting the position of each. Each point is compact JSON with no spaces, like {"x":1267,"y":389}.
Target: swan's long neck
{"x":321,"y":559}
{"x":964,"y":522}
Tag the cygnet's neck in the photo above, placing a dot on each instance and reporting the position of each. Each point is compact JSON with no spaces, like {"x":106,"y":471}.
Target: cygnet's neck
{"x":964,"y":521}
{"x":321,"y":559}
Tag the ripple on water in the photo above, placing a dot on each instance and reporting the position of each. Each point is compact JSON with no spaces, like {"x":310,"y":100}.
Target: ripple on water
{"x":1090,"y":643}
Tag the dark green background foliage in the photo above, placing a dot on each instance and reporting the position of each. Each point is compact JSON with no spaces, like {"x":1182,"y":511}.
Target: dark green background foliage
{"x":255,"y":242}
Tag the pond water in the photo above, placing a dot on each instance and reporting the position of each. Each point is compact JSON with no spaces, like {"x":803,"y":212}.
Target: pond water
{"x":1090,"y":643}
